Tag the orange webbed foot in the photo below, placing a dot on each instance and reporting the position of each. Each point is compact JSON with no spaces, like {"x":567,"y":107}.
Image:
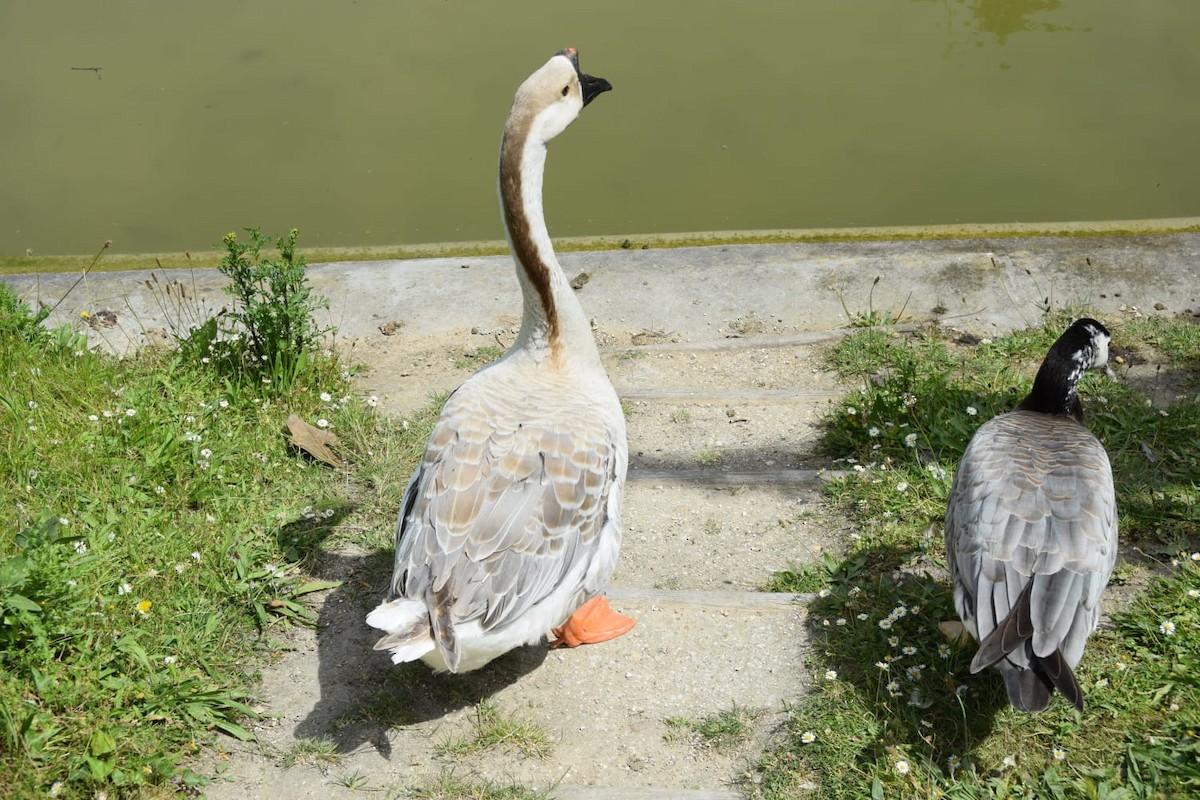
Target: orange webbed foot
{"x":592,"y":622}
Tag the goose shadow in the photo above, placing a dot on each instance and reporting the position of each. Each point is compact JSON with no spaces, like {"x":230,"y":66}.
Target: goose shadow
{"x":915,"y":682}
{"x":363,"y":696}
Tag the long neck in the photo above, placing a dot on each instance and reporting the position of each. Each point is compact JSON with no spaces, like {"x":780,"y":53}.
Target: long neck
{"x":1055,"y":389}
{"x":553,"y":321}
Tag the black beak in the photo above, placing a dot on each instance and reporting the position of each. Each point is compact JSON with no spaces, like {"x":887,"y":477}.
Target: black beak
{"x":589,"y":85}
{"x":592,"y":87}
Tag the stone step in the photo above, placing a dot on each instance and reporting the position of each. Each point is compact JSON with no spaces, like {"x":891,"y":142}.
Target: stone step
{"x":711,"y":441}
{"x":727,"y":395}
{"x":750,"y":369}
{"x":698,"y":537}
{"x":733,"y":343}
{"x":640,"y":793}
{"x":804,"y":478}
{"x":706,"y":598}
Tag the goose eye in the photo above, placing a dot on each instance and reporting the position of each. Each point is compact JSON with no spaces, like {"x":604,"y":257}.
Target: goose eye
{"x":566,"y":89}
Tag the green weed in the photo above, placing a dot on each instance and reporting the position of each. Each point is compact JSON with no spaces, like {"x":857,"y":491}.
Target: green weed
{"x":353,"y":780}
{"x":267,"y":341}
{"x":17,"y":320}
{"x":1176,"y":339}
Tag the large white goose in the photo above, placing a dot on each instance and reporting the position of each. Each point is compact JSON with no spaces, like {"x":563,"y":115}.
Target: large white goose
{"x":511,"y":525}
{"x":1031,"y":529}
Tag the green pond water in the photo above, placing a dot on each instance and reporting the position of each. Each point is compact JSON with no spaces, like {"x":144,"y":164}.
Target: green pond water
{"x":162,"y":125}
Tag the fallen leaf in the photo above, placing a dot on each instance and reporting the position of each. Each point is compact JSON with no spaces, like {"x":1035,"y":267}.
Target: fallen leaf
{"x":955,"y":632}
{"x":313,"y":440}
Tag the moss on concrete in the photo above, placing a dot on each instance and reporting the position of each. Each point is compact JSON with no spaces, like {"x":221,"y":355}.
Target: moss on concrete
{"x":14,"y":265}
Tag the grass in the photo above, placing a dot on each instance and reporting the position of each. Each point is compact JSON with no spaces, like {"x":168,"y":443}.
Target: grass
{"x":871,"y":317}
{"x":803,"y":578}
{"x":354,"y":780}
{"x":721,"y":731}
{"x":319,"y":751}
{"x":895,"y":712}
{"x":450,"y":787}
{"x":479,"y":356}
{"x":681,"y":415}
{"x":706,"y":457}
{"x":157,"y":528}
{"x":493,"y":729}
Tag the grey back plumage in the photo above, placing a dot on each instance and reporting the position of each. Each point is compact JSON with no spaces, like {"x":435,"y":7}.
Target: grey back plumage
{"x":1031,"y":540}
{"x":512,"y":496}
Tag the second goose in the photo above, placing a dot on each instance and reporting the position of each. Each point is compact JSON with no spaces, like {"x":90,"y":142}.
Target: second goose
{"x":1031,"y":530}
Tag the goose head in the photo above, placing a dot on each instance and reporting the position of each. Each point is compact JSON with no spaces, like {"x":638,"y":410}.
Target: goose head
{"x":1096,"y":343}
{"x":550,"y":99}
{"x":1081,"y":347}
{"x":545,"y":104}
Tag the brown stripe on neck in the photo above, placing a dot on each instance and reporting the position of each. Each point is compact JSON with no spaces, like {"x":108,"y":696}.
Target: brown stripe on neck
{"x":519,"y":227}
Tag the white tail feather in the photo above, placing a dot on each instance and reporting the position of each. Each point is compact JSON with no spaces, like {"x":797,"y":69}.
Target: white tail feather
{"x":398,"y":615}
{"x":406,"y":623}
{"x":412,"y":651}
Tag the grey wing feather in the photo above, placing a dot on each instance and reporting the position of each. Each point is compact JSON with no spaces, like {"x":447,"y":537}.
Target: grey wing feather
{"x":1032,"y":501}
{"x":503,"y":507}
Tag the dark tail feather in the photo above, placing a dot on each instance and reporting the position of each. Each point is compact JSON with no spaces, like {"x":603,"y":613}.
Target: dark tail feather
{"x":1013,"y":631}
{"x":1056,"y":670}
{"x":1028,"y":690}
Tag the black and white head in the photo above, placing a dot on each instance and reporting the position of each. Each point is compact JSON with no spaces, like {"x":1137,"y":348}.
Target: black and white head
{"x":1081,"y":347}
{"x":551,"y":98}
{"x":1087,"y":340}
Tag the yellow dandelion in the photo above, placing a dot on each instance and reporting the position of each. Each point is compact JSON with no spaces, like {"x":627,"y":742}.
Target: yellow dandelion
{"x":143,"y":608}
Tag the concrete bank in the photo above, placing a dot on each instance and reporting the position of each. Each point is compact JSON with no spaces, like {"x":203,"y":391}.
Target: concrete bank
{"x":980,"y":284}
